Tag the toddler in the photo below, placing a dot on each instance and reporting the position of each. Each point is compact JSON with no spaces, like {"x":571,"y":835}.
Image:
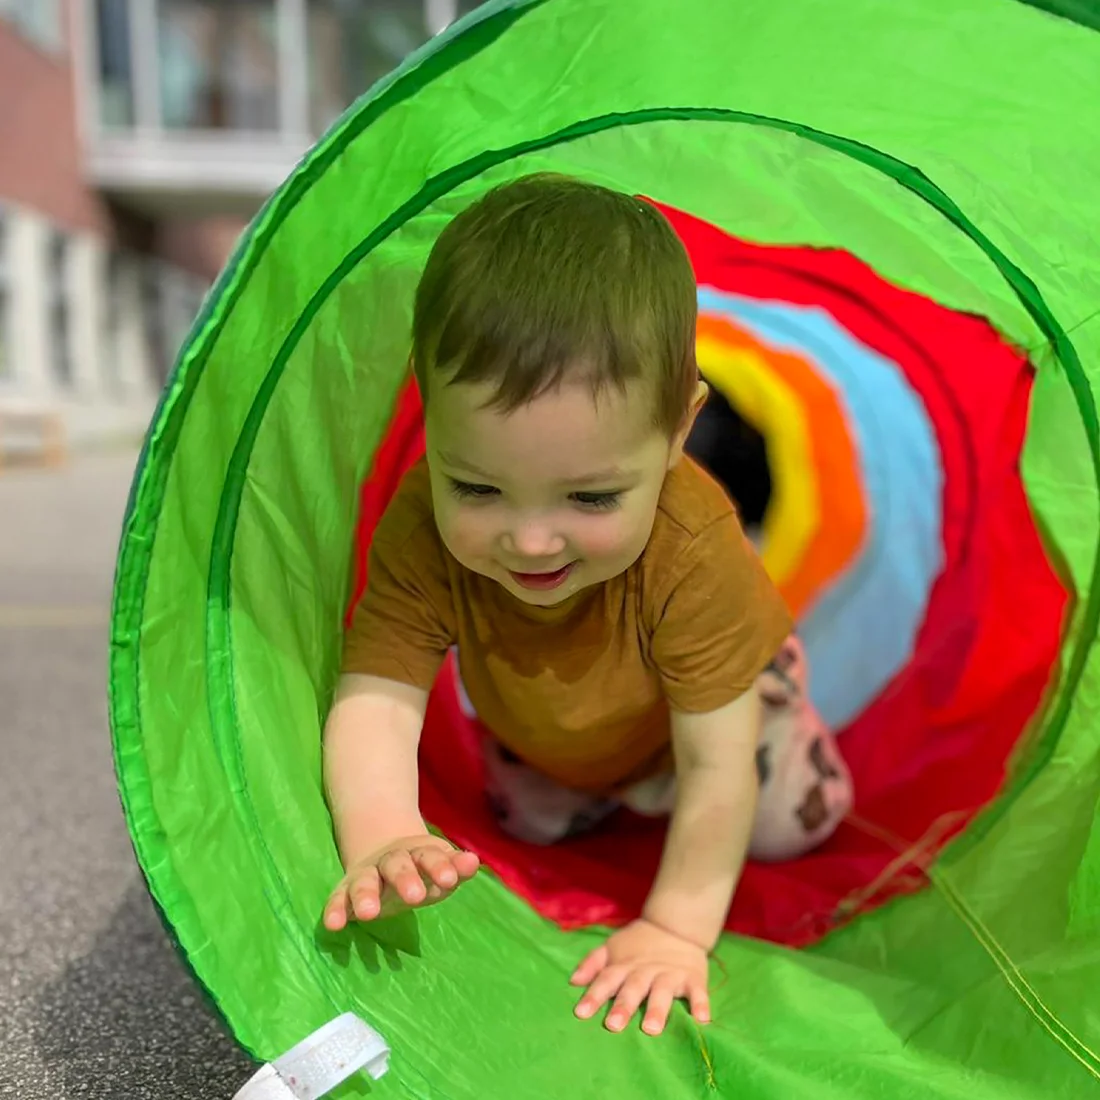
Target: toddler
{"x":614,"y":627}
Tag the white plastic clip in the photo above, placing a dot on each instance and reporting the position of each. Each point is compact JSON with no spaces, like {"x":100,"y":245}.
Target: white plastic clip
{"x":320,"y":1062}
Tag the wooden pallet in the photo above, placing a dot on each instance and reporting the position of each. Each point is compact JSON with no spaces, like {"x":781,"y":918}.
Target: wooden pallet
{"x":31,"y":435}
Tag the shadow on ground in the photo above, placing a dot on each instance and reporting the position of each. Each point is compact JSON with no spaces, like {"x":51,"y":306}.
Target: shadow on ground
{"x":127,"y":1019}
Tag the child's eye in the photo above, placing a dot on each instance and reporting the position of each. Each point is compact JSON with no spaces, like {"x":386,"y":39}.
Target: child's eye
{"x":466,"y":490}
{"x":597,"y":501}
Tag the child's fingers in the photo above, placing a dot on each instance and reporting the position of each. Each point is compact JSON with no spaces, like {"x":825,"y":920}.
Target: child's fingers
{"x":634,"y":990}
{"x":699,"y":1000}
{"x":438,"y":866}
{"x":365,"y":893}
{"x":466,"y":864}
{"x":590,"y":966}
{"x":399,"y":870}
{"x":659,"y":1003}
{"x":336,"y":909}
{"x":608,"y":982}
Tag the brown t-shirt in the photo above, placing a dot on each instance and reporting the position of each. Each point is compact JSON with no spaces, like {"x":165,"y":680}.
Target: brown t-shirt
{"x":580,"y":691}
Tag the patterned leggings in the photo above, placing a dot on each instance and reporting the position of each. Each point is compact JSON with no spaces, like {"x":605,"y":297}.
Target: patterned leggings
{"x":805,"y":786}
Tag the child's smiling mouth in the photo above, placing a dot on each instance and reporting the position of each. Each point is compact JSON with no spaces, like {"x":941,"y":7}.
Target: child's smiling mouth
{"x":543,"y":581}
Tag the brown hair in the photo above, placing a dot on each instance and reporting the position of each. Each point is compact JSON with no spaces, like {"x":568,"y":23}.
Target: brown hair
{"x":549,"y":275}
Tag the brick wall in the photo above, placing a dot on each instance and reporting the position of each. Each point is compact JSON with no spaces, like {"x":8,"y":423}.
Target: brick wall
{"x":40,"y":163}
{"x":41,"y":168}
{"x":91,"y":318}
{"x":201,"y":246}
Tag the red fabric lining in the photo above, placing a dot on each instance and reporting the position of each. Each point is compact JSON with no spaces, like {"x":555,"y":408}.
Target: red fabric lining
{"x":932,"y":749}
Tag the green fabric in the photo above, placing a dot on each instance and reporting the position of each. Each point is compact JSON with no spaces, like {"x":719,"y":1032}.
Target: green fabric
{"x":786,"y":123}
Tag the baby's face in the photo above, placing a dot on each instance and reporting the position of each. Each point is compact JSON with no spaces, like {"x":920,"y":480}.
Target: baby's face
{"x":553,"y":497}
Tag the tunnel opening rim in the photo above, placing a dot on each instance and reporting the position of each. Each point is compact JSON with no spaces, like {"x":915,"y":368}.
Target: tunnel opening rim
{"x":220,"y":674}
{"x":160,"y":446}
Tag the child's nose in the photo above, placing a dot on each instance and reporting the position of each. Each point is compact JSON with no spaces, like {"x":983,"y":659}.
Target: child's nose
{"x":534,"y":539}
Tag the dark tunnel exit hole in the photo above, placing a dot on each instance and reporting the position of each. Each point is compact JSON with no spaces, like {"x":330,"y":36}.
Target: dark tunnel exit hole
{"x":734,"y":451}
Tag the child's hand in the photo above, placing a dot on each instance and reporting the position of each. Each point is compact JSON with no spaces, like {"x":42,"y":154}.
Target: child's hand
{"x":409,"y":872}
{"x":642,"y":962}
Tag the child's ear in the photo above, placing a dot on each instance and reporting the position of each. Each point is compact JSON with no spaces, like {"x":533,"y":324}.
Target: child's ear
{"x":679,"y":440}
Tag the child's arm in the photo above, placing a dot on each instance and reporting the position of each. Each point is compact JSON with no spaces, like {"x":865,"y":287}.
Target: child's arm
{"x":370,"y":750}
{"x":663,"y":956}
{"x":370,"y":769}
{"x":711,"y":825}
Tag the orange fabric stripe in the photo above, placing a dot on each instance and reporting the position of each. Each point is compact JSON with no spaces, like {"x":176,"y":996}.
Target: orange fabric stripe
{"x":836,"y":465}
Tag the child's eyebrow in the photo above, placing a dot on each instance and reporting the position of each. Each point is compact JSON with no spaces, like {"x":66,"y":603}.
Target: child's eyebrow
{"x":610,"y":475}
{"x":461,"y":464}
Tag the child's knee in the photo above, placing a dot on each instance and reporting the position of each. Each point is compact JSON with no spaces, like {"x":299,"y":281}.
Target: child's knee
{"x":785,"y":681}
{"x":805,"y":786}
{"x":530,"y":806}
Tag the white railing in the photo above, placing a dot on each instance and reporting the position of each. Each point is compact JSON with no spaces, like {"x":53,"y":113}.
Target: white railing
{"x":147,"y":139}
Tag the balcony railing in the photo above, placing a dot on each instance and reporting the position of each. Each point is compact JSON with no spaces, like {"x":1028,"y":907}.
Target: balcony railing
{"x":210,"y":103}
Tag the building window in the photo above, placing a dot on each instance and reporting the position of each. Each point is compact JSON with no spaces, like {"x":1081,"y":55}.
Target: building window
{"x":194,"y":300}
{"x":185,"y":297}
{"x":154,"y":315}
{"x":116,"y":79}
{"x":351,"y":45}
{"x":219,"y":64}
{"x":111,"y":346}
{"x":59,"y":312}
{"x":39,"y":20}
{"x":7,"y":367}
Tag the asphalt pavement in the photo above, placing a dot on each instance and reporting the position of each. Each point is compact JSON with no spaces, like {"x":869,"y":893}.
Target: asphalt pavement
{"x":94,"y":1002}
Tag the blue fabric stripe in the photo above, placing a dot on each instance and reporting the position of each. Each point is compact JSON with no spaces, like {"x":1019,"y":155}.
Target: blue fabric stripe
{"x":862,"y":631}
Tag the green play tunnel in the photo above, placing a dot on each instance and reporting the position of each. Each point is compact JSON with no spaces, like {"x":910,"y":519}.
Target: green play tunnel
{"x":952,"y":149}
